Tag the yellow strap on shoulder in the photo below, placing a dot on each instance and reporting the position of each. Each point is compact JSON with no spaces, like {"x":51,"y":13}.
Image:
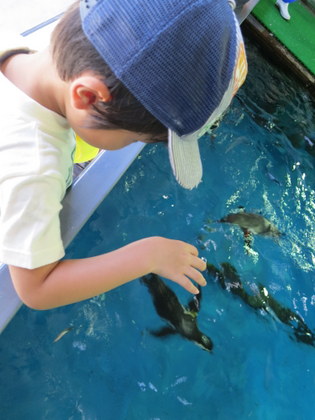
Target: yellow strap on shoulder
{"x":84,"y":151}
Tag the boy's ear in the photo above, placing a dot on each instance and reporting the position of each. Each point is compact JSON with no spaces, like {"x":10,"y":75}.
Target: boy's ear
{"x":87,"y":90}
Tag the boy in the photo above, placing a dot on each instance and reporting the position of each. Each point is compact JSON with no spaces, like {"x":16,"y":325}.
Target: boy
{"x":138,"y":71}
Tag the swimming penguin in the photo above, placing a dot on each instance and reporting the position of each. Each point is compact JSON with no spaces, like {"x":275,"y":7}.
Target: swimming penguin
{"x":182,"y":320}
{"x":230,"y":280}
{"x":252,"y":223}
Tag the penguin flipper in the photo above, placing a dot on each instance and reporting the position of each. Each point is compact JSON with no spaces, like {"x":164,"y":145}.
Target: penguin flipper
{"x":163,"y":332}
{"x":194,"y":303}
{"x":248,"y":239}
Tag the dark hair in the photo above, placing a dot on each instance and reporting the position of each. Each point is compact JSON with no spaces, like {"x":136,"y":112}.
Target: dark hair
{"x":73,"y":54}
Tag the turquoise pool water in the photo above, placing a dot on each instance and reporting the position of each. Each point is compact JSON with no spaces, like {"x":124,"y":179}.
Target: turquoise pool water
{"x":109,"y":366}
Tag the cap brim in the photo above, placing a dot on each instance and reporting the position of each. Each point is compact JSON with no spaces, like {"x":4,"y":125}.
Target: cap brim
{"x":185,"y":159}
{"x":184,"y":150}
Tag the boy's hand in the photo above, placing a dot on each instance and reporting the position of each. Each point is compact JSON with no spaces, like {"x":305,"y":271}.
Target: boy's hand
{"x":177,"y":261}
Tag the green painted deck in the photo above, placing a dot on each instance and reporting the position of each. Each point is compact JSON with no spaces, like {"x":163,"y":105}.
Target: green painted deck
{"x":297,"y":34}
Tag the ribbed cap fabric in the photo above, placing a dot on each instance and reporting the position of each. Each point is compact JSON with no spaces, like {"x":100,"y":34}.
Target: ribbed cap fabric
{"x":177,"y":57}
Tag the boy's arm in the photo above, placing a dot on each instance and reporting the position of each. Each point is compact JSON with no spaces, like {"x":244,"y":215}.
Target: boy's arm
{"x":70,"y":281}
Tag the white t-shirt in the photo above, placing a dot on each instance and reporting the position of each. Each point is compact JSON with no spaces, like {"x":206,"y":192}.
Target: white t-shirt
{"x":36,"y":162}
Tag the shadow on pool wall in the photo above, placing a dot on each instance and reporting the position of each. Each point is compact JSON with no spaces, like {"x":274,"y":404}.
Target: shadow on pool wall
{"x":110,"y":363}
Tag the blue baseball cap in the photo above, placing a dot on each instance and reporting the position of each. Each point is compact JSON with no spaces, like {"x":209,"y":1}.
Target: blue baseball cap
{"x":179,"y":58}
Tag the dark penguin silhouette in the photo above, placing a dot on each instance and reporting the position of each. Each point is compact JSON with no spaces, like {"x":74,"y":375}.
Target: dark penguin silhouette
{"x":230,"y":280}
{"x":252,"y":223}
{"x":182,"y":320}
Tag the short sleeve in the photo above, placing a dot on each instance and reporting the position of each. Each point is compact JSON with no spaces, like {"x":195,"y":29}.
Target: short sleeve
{"x":29,"y":221}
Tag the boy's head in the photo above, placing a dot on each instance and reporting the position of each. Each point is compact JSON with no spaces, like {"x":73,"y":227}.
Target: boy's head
{"x":74,"y":55}
{"x":180,"y":62}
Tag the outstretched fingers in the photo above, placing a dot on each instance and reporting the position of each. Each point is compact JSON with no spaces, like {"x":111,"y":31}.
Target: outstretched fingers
{"x":196,"y":276}
{"x":193,"y":272}
{"x":191,"y":275}
{"x":187,"y":284}
{"x":199,"y":263}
